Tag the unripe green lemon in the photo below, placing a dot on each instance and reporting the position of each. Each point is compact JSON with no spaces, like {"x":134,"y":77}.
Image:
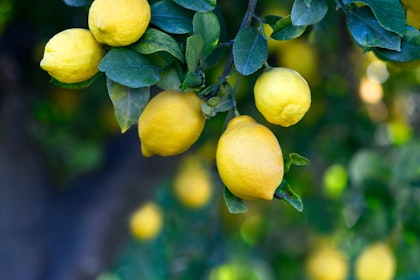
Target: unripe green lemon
{"x":119,"y":22}
{"x":282,"y":96}
{"x":72,"y":56}
{"x":170,"y":123}
{"x":249,"y":159}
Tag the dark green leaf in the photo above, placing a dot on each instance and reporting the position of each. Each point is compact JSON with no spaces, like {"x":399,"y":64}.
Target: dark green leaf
{"x":78,"y":3}
{"x":234,"y":204}
{"x":161,"y":60}
{"x":207,"y":25}
{"x":295,"y":159}
{"x":169,"y":79}
{"x":193,"y":80}
{"x":198,"y":5}
{"x":250,"y":51}
{"x":368,"y":33}
{"x":283,"y":29}
{"x":171,"y":17}
{"x":216,"y":105}
{"x":389,"y":13}
{"x":194,"y":51}
{"x":128,"y":103}
{"x":303,"y":14}
{"x":129,"y":68}
{"x":155,"y":40}
{"x":410,"y":48}
{"x":285,"y":191}
{"x":80,"y":85}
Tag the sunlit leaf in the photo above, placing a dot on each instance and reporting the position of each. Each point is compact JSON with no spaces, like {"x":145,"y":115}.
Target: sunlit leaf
{"x":207,"y":25}
{"x":303,"y":14}
{"x":234,"y":204}
{"x":283,"y":29}
{"x":285,"y":191}
{"x":128,"y":103}
{"x":250,"y":51}
{"x":171,"y":17}
{"x":295,"y":159}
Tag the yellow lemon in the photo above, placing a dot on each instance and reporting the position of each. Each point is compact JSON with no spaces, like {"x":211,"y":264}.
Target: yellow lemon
{"x":376,"y":262}
{"x":72,"y":56}
{"x":170,"y":123}
{"x":327,"y":263}
{"x":192,"y":185}
{"x":411,"y":4}
{"x":119,"y":23}
{"x":249,"y":159}
{"x":146,"y":222}
{"x":282,"y":96}
{"x":413,"y":18}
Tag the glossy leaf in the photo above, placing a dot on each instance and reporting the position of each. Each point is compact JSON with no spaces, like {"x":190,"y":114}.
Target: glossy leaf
{"x":302,"y":14}
{"x":234,"y":204}
{"x":389,"y":13}
{"x":128,"y":103}
{"x":283,"y":29}
{"x":250,"y":51}
{"x":80,"y":85}
{"x":285,"y":191}
{"x":171,"y":17}
{"x":295,"y":159}
{"x":198,"y":5}
{"x":194,"y":51}
{"x":410,"y":48}
{"x":78,"y":3}
{"x":208,"y":27}
{"x":155,"y":40}
{"x":129,"y":68}
{"x":368,"y":33}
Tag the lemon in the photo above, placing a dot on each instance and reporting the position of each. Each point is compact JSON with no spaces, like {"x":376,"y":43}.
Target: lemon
{"x":282,"y":96}
{"x":72,"y":56}
{"x":413,"y":18}
{"x":119,"y":23}
{"x":411,"y":4}
{"x":327,"y":263}
{"x":249,"y":159}
{"x":376,"y":262}
{"x":192,"y":184}
{"x":146,"y":222}
{"x":170,"y":123}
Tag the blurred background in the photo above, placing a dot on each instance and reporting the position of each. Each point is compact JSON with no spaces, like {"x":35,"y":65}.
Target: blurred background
{"x":70,"y":181}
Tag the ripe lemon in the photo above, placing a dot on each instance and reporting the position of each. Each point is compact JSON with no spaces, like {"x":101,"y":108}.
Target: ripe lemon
{"x":376,"y":262}
{"x":411,"y":4}
{"x":119,"y":23}
{"x":146,"y":221}
{"x":249,"y":159}
{"x":413,"y":18}
{"x":72,"y":56}
{"x":170,"y":123}
{"x":282,"y":96}
{"x":327,"y":264}
{"x":192,"y":185}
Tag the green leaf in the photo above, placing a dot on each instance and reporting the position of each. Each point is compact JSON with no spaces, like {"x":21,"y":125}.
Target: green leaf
{"x":303,"y":14}
{"x":193,"y":80}
{"x":169,"y":79}
{"x":295,"y":159}
{"x":194,"y":51}
{"x":283,"y":29}
{"x":406,"y":165}
{"x":129,"y":68}
{"x":308,"y":2}
{"x":80,"y":85}
{"x":216,"y":105}
{"x":197,"y":5}
{"x":285,"y":191}
{"x":207,"y":25}
{"x":78,"y":3}
{"x":250,"y":51}
{"x":368,"y":33}
{"x":389,"y":13}
{"x":171,"y":17}
{"x":234,"y":204}
{"x":410,"y":48}
{"x":128,"y":103}
{"x":155,"y":40}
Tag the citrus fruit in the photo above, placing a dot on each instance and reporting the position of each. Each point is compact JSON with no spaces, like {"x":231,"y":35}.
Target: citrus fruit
{"x":282,"y":96}
{"x":192,"y":184}
{"x":327,"y":263}
{"x":146,"y":221}
{"x":72,"y":56}
{"x":413,"y":18}
{"x":335,"y":180}
{"x":376,"y":262}
{"x":119,"y":23}
{"x":170,"y":123}
{"x":249,"y":159}
{"x":411,"y":4}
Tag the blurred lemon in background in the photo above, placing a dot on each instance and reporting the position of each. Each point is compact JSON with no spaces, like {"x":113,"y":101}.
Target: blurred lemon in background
{"x":375,"y":262}
{"x":146,"y":222}
{"x":327,"y":263}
